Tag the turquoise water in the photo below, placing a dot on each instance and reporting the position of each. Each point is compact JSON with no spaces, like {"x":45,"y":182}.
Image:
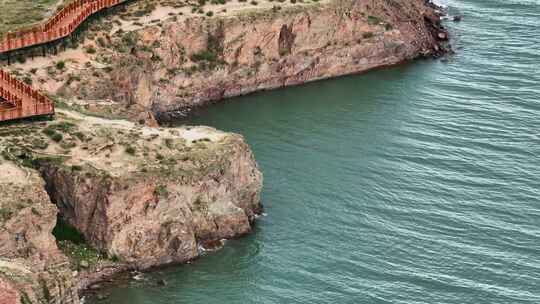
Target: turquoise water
{"x":415,"y":184}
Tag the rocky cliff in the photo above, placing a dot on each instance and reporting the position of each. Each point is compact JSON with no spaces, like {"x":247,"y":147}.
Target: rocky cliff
{"x":32,"y":268}
{"x":139,"y":196}
{"x":152,"y":197}
{"x":187,"y":61}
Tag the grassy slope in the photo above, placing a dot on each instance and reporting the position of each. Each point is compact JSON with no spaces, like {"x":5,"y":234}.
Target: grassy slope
{"x":16,"y":14}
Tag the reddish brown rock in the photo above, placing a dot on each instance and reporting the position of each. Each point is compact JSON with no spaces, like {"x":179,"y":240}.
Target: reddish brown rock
{"x":195,"y":60}
{"x":32,"y":269}
{"x":8,"y":293}
{"x":151,"y":196}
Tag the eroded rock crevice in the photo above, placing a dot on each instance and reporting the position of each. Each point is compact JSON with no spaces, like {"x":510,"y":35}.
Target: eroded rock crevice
{"x":285,"y":40}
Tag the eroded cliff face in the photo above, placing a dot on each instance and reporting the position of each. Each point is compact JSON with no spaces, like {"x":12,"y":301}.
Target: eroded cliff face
{"x":157,"y":206}
{"x":32,"y":268}
{"x":142,"y":196}
{"x":190,"y":61}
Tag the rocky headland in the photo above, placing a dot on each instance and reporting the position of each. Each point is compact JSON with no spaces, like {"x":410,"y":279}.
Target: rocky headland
{"x":139,"y":196}
{"x":86,"y":197}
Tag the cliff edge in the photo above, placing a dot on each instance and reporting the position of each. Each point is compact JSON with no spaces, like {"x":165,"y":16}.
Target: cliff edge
{"x":174,"y":58}
{"x":139,"y":197}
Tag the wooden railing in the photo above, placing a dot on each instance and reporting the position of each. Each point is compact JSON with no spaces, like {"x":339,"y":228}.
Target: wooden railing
{"x":23,"y":100}
{"x":61,"y":25}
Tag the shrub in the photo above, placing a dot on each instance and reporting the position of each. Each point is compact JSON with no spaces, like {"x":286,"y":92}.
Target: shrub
{"x":367,"y":35}
{"x":161,"y":191}
{"x":130,"y":150}
{"x":5,"y":214}
{"x":101,"y":41}
{"x":130,"y":39}
{"x":76,"y":168}
{"x":57,"y":137}
{"x":372,"y":20}
{"x":27,"y":80}
{"x":60,"y":65}
{"x":50,"y":131}
{"x":204,"y":55}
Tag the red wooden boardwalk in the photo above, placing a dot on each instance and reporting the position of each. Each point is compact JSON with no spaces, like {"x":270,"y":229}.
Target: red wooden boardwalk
{"x":19,"y":100}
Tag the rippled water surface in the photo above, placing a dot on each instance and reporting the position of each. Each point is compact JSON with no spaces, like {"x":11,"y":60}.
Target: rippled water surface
{"x":416,"y":184}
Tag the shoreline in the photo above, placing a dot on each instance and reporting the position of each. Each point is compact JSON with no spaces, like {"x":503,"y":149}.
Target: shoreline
{"x":183,"y":114}
{"x":383,"y":44}
{"x":172,"y":81}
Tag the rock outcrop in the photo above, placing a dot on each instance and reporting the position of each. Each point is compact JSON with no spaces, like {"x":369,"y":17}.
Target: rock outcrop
{"x":151,"y":197}
{"x":144,"y":196}
{"x":141,"y":196}
{"x":188,"y":61}
{"x":32,"y":268}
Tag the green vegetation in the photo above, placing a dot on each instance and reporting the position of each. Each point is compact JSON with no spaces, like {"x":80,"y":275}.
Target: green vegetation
{"x":90,"y":50}
{"x":130,"y":150}
{"x":25,"y":299}
{"x":367,"y":35}
{"x":60,"y":65}
{"x":373,"y":20}
{"x":211,"y":57}
{"x":18,"y":14}
{"x":45,"y":290}
{"x":161,"y":191}
{"x":5,"y":214}
{"x":73,"y":244}
{"x":206,"y":55}
{"x":65,"y":232}
{"x":55,"y":131}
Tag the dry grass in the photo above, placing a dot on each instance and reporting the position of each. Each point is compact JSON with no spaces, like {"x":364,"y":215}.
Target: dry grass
{"x":17,"y":14}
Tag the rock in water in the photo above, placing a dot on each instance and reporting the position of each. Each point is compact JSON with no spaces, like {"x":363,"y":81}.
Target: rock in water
{"x":149,"y":196}
{"x":138,"y":277}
